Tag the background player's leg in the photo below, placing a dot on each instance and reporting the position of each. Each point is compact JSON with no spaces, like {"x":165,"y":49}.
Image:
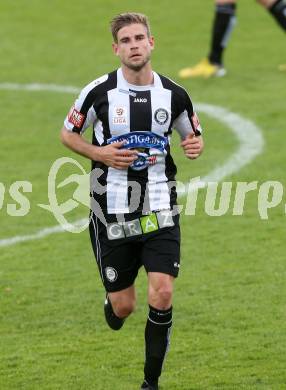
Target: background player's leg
{"x":158,"y":326}
{"x":277,"y":8}
{"x":223,"y":25}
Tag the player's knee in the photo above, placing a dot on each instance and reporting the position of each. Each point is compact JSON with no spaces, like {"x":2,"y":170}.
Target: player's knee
{"x":161,"y":297}
{"x":124,"y":308}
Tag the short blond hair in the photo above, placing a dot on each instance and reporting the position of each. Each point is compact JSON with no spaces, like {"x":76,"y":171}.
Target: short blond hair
{"x":126,"y":19}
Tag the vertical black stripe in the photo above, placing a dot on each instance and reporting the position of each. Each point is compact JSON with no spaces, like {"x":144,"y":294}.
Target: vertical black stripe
{"x":170,"y":172}
{"x":140,"y":111}
{"x":101,"y":104}
{"x":140,"y":120}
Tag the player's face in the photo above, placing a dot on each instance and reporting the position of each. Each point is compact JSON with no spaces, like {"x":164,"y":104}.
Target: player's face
{"x":134,"y":47}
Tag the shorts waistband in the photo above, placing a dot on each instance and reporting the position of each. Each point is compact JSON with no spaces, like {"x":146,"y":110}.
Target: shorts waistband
{"x":142,"y":225}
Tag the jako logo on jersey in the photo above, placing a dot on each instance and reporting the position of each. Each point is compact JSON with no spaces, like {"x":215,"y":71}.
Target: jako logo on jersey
{"x":75,"y":117}
{"x":140,"y":100}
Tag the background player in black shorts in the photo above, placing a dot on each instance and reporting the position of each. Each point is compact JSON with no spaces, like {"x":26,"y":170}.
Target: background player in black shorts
{"x":133,"y":111}
{"x":223,"y":24}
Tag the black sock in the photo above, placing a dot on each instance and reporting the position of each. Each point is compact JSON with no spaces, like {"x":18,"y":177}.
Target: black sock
{"x":222,"y":27}
{"x":157,"y":334}
{"x":278,"y":10}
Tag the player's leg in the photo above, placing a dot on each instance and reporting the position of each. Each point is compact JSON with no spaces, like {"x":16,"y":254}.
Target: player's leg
{"x":118,"y":306}
{"x":223,"y":25}
{"x":118,"y":266}
{"x":158,"y":326}
{"x":278,"y":10}
{"x":161,"y":259}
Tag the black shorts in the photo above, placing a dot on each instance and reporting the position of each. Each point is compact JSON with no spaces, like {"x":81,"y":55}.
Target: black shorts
{"x":119,"y":259}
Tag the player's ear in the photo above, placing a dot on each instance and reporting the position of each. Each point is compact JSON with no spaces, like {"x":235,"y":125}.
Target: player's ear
{"x":152,"y":42}
{"x":115,"y":48}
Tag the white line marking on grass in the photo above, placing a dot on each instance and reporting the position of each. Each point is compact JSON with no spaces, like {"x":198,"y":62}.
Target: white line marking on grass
{"x":39,"y":234}
{"x":247,"y":133}
{"x":249,"y":136}
{"x":35,"y":87}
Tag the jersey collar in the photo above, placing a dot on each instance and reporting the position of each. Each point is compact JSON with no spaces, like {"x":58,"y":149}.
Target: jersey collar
{"x":123,"y":84}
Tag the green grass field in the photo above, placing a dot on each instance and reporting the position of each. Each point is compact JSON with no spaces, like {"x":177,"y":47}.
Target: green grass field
{"x":229,"y":306}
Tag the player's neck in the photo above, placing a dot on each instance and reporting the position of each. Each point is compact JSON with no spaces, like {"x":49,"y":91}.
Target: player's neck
{"x":142,"y":77}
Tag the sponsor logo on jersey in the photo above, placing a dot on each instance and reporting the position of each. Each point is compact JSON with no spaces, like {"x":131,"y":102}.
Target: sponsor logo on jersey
{"x":149,"y":223}
{"x":111,"y":274}
{"x":141,"y":139}
{"x":119,"y":116}
{"x":143,"y":161}
{"x":140,"y":100}
{"x":75,"y":117}
{"x":161,"y":116}
{"x":145,"y":224}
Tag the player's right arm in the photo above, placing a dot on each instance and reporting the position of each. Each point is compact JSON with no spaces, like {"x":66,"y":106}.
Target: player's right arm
{"x":110,"y":155}
{"x":83,"y":115}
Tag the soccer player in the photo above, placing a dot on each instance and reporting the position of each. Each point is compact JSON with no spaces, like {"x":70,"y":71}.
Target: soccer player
{"x":133,"y":111}
{"x":223,"y":24}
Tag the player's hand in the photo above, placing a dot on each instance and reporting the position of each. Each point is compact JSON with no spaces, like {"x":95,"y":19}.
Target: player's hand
{"x":112,"y":156}
{"x":193,"y":146}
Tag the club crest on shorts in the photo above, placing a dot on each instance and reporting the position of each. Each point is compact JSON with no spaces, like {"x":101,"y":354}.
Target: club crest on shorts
{"x":111,"y":274}
{"x":161,"y":116}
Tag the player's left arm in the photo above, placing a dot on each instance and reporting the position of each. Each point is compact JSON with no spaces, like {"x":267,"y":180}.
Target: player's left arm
{"x":189,"y":128}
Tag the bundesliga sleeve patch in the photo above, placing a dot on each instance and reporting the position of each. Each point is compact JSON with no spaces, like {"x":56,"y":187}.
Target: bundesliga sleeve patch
{"x":75,"y":117}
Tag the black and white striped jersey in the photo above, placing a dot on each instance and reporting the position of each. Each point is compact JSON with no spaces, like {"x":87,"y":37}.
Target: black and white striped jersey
{"x":113,"y":107}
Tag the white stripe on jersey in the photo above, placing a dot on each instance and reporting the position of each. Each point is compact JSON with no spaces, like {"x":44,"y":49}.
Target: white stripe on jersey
{"x":118,"y":112}
{"x":159,"y":197}
{"x":117,"y":191}
{"x":161,"y":99}
{"x":98,"y":132}
{"x":119,"y":123}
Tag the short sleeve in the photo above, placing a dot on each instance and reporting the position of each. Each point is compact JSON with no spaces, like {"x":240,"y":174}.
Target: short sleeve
{"x":82,"y":114}
{"x":187,"y":122}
